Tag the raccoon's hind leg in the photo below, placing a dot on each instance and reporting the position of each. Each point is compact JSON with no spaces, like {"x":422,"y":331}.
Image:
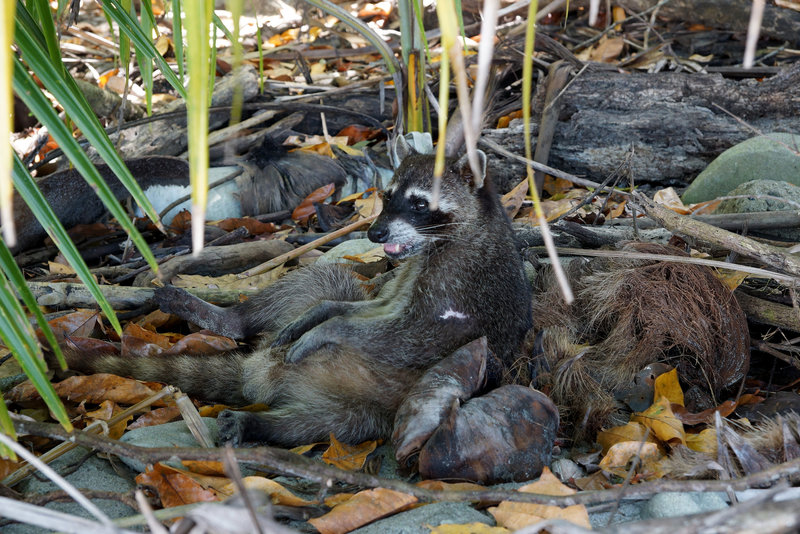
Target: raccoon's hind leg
{"x":332,"y":391}
{"x":272,"y":309}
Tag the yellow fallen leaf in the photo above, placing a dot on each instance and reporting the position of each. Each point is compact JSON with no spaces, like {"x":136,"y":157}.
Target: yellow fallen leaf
{"x":666,"y":385}
{"x":662,"y":422}
{"x":627,"y":432}
{"x":617,"y":461}
{"x":705,"y":441}
{"x":515,"y":515}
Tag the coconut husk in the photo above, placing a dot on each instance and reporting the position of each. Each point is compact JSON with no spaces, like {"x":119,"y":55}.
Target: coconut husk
{"x":629,"y":313}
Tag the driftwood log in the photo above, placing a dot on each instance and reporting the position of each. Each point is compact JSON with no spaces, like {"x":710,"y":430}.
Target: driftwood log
{"x":779,"y":22}
{"x":673,"y":122}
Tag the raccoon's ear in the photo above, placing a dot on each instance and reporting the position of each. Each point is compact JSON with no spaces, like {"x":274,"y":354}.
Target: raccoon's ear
{"x":462,"y":167}
{"x":401,"y":149}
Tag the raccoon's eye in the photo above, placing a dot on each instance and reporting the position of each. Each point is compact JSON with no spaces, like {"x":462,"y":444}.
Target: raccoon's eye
{"x":386,"y":196}
{"x":419,"y":204}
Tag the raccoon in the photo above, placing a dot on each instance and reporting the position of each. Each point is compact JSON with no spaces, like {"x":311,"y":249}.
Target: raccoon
{"x":332,"y":360}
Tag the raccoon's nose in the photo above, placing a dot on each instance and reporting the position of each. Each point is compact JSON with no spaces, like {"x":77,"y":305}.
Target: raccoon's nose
{"x":378,"y":233}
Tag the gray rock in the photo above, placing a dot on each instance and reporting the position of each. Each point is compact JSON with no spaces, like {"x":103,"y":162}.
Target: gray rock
{"x":672,"y":504}
{"x":93,"y":473}
{"x":167,"y":435}
{"x":420,"y":520}
{"x":759,"y":158}
{"x":351,"y":247}
{"x":762,"y":188}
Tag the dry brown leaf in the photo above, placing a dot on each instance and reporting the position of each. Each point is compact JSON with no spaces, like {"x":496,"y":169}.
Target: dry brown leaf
{"x":93,"y":388}
{"x":80,"y":323}
{"x":158,"y":416}
{"x":204,"y":467}
{"x":706,"y":416}
{"x":364,"y":507}
{"x":306,"y":208}
{"x":200,"y":343}
{"x":254,"y":226}
{"x":512,"y":201}
{"x":154,"y":320}
{"x":277,"y":493}
{"x":607,"y":50}
{"x":348,"y":457}
{"x":556,"y":186}
{"x":173,"y":487}
{"x":669,"y":198}
{"x":105,"y":412}
{"x":138,"y":342}
{"x":60,"y":268}
{"x":515,"y":515}
{"x":336,"y":500}
{"x":596,"y":481}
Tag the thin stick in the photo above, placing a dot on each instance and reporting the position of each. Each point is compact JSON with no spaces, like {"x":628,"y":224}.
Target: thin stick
{"x":299,"y":251}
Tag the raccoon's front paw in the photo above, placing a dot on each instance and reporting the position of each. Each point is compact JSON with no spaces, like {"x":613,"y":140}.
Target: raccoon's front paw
{"x":231,"y":427}
{"x":309,"y":343}
{"x":289,"y":333}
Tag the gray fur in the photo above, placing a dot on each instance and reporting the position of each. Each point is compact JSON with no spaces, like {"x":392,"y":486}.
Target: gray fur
{"x":333,"y":361}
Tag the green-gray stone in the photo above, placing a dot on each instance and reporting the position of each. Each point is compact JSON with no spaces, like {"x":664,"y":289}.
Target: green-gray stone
{"x":759,"y":158}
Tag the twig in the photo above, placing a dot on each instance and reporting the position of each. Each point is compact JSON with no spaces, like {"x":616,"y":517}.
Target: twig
{"x":745,"y":246}
{"x":232,"y":470}
{"x":288,"y":463}
{"x":299,"y":251}
{"x":147,"y":512}
{"x":17,"y":476}
{"x":678,"y":259}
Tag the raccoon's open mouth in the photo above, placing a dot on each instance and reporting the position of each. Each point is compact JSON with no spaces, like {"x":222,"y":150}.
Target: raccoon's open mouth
{"x":399,"y":250}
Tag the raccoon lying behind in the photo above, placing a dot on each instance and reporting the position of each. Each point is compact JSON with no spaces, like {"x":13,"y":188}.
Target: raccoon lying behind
{"x":331,"y":360}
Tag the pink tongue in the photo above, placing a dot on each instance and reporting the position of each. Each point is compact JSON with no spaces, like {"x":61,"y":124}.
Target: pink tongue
{"x":391,"y":248}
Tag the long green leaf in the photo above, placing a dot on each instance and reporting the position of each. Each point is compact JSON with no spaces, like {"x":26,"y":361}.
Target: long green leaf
{"x":6,"y":112}
{"x":45,"y":20}
{"x":19,"y":337}
{"x":27,"y":90}
{"x":146,"y":63}
{"x":7,"y":427}
{"x":177,"y":36}
{"x":198,"y":19}
{"x":17,"y":279}
{"x":69,"y":96}
{"x":130,"y":27}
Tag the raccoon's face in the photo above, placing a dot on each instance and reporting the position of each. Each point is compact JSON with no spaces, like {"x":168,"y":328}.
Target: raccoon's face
{"x":408,"y":224}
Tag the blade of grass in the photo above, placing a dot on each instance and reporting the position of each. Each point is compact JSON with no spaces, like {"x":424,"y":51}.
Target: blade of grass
{"x":198,"y":22}
{"x":527,"y":83}
{"x":6,"y":111}
{"x":147,"y":24}
{"x":17,"y":279}
{"x":177,"y":36}
{"x":6,"y":427}
{"x":19,"y":337}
